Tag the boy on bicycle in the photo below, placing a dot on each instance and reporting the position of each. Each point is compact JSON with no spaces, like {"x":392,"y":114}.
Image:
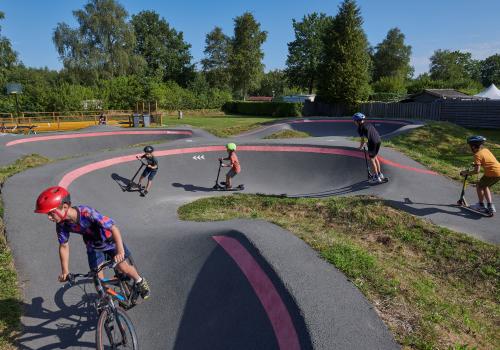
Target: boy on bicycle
{"x":100,"y":234}
{"x":151,"y":168}
{"x":234,"y":163}
{"x":483,"y":158}
{"x":368,"y":131}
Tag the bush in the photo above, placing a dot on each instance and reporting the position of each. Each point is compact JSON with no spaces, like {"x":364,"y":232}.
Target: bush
{"x":275,"y":109}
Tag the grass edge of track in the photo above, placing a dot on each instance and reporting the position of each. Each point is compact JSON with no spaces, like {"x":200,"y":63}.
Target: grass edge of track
{"x":287,"y":134}
{"x":442,"y":147}
{"x":10,"y":294}
{"x":434,"y":288}
{"x":222,"y":126}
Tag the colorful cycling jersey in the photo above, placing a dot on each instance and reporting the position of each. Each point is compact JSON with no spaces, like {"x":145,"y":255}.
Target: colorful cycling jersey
{"x":94,"y":227}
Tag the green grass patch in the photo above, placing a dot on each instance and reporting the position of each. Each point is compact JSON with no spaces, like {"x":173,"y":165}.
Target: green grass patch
{"x":10,"y":299}
{"x":221,"y":126}
{"x":288,"y":134}
{"x":442,"y":147}
{"x":434,"y":288}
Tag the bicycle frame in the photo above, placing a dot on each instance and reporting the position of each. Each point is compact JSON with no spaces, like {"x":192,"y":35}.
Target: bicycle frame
{"x":107,"y":295}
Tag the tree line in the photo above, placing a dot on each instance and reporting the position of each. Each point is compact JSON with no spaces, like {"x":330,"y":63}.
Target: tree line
{"x":120,"y":59}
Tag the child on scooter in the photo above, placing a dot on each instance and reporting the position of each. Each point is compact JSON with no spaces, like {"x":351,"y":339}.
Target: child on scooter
{"x":233,"y":163}
{"x":483,"y":158}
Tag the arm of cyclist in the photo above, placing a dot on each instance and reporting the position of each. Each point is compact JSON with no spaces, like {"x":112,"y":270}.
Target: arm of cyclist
{"x":117,"y":237}
{"x":64,"y":258}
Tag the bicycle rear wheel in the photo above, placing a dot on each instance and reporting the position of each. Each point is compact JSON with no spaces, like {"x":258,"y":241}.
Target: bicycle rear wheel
{"x":115,"y":331}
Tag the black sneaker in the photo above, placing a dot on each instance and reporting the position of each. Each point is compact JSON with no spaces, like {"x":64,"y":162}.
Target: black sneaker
{"x":143,"y":289}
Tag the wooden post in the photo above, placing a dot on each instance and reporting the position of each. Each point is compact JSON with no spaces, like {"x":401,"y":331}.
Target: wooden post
{"x":58,"y":123}
{"x":142,"y":110}
{"x":156,"y":105}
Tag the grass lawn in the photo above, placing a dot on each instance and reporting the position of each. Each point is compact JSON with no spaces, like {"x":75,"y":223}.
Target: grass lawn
{"x":434,"y":288}
{"x":221,"y":126}
{"x":10,"y":302}
{"x":442,"y":147}
{"x":288,"y":134}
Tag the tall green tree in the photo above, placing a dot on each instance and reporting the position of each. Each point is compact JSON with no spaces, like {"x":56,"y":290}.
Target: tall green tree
{"x":166,"y":53}
{"x":102,"y":46}
{"x":216,"y":62}
{"x":274,"y":83}
{"x":490,"y":70}
{"x":392,"y":57}
{"x":8,"y":57}
{"x":304,"y":53}
{"x":346,"y":61}
{"x":245,"y":59}
{"x":453,"y":66}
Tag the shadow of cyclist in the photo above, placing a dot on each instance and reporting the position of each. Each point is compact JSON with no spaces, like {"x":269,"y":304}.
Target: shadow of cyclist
{"x":72,"y":325}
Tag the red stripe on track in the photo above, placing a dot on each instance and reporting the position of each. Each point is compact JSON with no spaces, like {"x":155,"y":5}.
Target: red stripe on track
{"x":75,"y":174}
{"x":97,"y":134}
{"x":269,"y":297}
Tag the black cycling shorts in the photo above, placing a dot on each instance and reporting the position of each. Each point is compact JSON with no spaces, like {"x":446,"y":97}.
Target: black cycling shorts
{"x":373,"y":149}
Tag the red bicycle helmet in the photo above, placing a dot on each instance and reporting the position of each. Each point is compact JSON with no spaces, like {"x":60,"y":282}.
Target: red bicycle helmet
{"x":52,"y":198}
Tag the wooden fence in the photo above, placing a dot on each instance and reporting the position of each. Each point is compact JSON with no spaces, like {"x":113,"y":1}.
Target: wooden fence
{"x":51,"y":121}
{"x":475,"y":114}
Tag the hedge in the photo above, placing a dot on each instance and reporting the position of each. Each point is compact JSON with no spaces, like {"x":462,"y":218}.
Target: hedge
{"x":275,"y":109}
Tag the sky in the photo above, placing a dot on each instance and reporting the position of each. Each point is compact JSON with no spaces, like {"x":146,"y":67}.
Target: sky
{"x":428,"y":25}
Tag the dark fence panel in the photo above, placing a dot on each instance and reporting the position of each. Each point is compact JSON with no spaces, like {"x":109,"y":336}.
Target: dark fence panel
{"x":478,"y":114}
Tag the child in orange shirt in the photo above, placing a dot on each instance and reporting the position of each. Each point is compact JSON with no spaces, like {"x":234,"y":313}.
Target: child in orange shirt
{"x":233,"y":163}
{"x":483,"y":158}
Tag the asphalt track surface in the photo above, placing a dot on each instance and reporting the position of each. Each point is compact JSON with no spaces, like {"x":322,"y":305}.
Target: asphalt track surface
{"x":240,"y":284}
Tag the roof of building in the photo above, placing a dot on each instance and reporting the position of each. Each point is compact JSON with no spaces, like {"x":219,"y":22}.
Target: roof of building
{"x":445,"y":94}
{"x":260,"y":98}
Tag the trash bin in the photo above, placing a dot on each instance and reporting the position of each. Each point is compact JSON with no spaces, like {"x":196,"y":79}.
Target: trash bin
{"x":136,"y":118}
{"x":146,"y":120}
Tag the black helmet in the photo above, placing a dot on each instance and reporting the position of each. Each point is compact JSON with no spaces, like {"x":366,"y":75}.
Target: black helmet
{"x":148,"y":149}
{"x":476,"y":140}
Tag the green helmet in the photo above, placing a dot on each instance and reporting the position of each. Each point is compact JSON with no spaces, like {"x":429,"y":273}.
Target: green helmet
{"x":231,"y":146}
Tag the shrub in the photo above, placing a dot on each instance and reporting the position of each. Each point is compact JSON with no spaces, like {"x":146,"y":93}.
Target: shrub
{"x":275,"y":109}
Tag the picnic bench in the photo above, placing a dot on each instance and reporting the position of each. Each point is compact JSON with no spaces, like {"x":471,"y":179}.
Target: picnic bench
{"x":25,"y":129}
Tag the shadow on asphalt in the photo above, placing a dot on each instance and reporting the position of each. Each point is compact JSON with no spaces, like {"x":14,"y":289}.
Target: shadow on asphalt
{"x":125,"y":184}
{"x":359,"y":186}
{"x":408,"y":206}
{"x":193,"y":188}
{"x":223,"y":312}
{"x":63,"y":328}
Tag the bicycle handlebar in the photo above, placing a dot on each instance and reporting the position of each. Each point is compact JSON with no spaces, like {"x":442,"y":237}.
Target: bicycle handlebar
{"x":73,"y":276}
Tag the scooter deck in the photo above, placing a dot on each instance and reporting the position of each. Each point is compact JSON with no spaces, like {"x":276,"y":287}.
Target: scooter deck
{"x":483,"y":213}
{"x":384,"y":180}
{"x":223,"y":188}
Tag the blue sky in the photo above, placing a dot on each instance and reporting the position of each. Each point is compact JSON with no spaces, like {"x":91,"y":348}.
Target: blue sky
{"x":428,"y":24}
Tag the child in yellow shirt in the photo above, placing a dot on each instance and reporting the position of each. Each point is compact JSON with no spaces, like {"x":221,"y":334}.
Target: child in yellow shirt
{"x":483,"y":158}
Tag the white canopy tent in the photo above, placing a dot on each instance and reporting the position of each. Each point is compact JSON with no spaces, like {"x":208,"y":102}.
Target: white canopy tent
{"x":493,"y":93}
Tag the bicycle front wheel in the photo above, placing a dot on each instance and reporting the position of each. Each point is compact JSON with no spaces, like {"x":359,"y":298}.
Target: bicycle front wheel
{"x":115,"y":331}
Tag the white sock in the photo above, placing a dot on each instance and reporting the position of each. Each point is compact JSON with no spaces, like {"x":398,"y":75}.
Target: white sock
{"x":139,"y":280}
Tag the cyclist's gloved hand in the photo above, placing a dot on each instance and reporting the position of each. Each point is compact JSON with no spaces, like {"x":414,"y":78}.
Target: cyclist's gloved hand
{"x":63,"y":277}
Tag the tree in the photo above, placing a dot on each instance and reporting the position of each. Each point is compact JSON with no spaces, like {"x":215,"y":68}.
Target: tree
{"x":163,"y":48}
{"x":304,"y":53}
{"x":273,"y":83}
{"x":392,"y":57}
{"x":453,"y":66}
{"x":8,"y":57}
{"x":102,"y":45}
{"x":345,"y":62}
{"x":215,"y":64}
{"x":490,"y":70}
{"x":245,"y":59}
